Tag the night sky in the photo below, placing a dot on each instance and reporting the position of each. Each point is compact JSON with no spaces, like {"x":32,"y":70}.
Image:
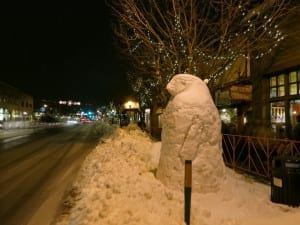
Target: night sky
{"x":61,"y":52}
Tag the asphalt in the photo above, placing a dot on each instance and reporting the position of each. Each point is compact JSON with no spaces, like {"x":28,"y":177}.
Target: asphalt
{"x":7,"y":134}
{"x":13,"y":134}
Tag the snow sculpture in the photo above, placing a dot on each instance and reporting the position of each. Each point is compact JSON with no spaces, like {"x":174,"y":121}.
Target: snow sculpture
{"x":191,"y":130}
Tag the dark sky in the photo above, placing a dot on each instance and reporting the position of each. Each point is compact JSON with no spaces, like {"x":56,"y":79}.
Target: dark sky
{"x":62,"y":51}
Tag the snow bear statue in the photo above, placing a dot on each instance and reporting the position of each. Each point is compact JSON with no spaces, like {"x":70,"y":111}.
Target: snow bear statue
{"x":191,"y":130}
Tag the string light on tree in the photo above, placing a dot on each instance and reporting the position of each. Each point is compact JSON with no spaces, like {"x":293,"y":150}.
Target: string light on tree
{"x":181,"y":37}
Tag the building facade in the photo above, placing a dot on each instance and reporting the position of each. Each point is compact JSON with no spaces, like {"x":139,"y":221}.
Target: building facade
{"x":264,"y":99}
{"x":15,"y":105}
{"x":132,"y":111}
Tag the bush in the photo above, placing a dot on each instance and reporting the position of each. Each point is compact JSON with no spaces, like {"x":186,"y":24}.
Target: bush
{"x":103,"y":129}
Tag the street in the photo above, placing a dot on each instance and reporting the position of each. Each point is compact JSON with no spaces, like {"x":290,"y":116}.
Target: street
{"x":37,"y":171}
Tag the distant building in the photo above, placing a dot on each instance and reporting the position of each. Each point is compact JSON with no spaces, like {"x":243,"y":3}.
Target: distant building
{"x":15,"y":105}
{"x":132,"y":110}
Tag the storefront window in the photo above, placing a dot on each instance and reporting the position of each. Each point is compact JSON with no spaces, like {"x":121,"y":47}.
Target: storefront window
{"x":286,"y":86}
{"x":278,"y":119}
{"x":228,"y":117}
{"x":294,"y":111}
{"x":4,"y":114}
{"x":277,"y":112}
{"x":1,"y":114}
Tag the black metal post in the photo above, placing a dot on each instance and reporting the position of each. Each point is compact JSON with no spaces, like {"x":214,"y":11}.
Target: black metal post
{"x":187,"y":190}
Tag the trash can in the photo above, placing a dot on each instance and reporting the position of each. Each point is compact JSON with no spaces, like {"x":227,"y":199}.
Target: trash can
{"x":285,"y":180}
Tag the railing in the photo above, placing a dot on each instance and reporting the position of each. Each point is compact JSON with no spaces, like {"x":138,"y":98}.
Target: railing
{"x":254,"y":154}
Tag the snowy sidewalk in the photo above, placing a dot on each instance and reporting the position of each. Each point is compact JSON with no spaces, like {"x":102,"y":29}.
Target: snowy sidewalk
{"x":117,"y":186}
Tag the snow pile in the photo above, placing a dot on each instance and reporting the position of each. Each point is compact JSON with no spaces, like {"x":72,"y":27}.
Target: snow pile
{"x":191,"y":130}
{"x":117,"y":186}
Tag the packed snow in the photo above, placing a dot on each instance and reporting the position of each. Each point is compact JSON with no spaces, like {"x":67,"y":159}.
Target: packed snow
{"x":117,"y":186}
{"x":191,"y":130}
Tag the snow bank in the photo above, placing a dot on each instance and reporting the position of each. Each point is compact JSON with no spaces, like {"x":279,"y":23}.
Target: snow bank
{"x":117,"y":186}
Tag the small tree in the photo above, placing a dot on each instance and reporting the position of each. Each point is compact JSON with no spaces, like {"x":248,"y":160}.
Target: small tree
{"x":162,"y":38}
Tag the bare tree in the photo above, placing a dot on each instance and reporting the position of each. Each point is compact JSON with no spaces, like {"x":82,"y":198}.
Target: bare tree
{"x":162,"y":38}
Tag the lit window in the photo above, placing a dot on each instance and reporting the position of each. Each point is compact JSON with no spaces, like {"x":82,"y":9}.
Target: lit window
{"x":277,"y":112}
{"x":293,"y":89}
{"x":293,"y":77}
{"x":294,"y":111}
{"x":273,"y":92}
{"x":277,"y":84}
{"x":281,"y":79}
{"x":294,"y":82}
{"x":273,"y":81}
{"x":277,"y":88}
{"x":281,"y":91}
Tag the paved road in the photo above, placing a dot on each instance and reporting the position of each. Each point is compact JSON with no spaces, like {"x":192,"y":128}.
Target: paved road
{"x":36,"y":172}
